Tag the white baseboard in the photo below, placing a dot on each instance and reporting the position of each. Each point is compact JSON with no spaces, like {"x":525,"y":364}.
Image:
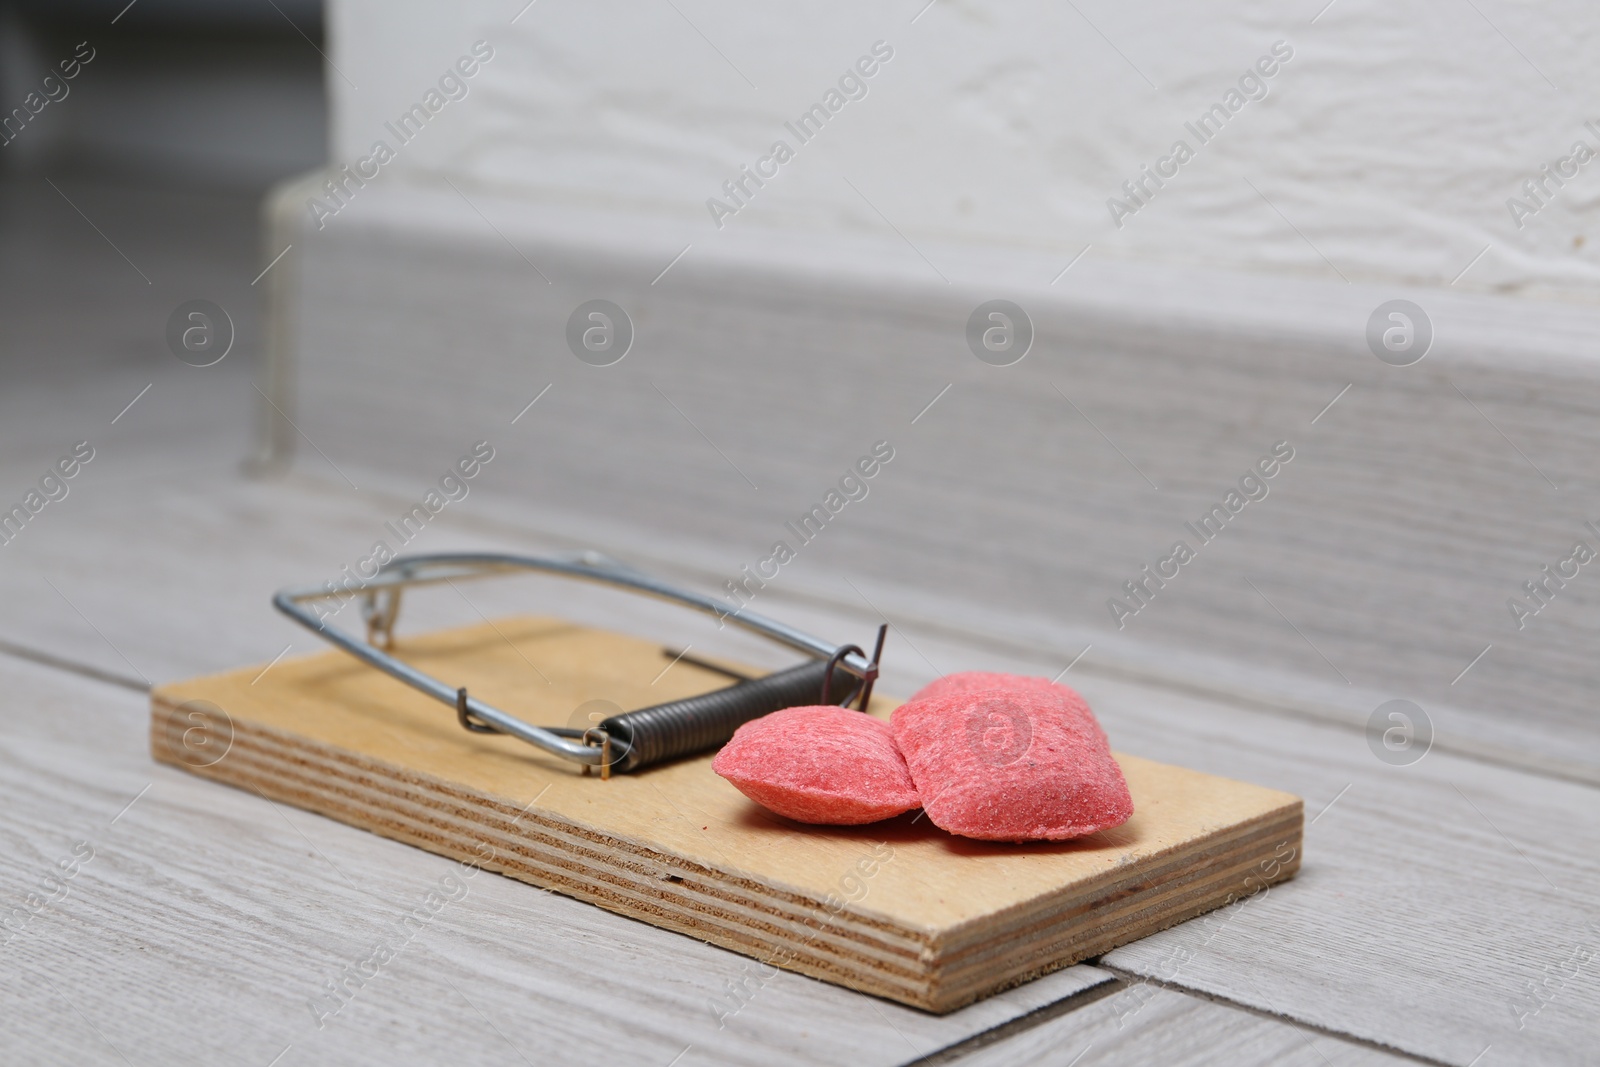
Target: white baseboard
{"x":764,"y":364}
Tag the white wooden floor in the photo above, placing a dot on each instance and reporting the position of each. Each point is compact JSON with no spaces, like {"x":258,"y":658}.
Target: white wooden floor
{"x":1446,"y":912}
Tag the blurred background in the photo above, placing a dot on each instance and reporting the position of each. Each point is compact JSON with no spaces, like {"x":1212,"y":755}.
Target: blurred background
{"x":225,"y":95}
{"x":145,"y":180}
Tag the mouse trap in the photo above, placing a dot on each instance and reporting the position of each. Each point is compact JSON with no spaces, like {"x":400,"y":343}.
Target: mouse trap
{"x":409,"y":737}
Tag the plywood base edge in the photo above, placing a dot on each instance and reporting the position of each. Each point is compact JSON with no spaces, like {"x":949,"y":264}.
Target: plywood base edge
{"x":731,"y":910}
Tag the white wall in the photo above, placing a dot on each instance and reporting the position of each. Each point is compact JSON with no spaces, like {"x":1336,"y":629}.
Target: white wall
{"x":1391,"y":141}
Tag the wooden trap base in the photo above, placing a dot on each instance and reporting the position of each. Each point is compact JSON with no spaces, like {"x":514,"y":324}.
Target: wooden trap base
{"x":899,"y":909}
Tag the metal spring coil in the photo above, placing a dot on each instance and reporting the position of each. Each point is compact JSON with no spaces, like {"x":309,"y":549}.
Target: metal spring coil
{"x":695,"y":724}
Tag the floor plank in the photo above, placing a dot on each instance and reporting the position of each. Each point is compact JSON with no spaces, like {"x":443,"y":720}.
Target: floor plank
{"x":1147,"y":1024}
{"x":1414,"y":922}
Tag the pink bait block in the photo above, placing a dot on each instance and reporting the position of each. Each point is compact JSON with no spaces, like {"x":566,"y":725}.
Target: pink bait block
{"x":1007,"y":758}
{"x":819,"y":765}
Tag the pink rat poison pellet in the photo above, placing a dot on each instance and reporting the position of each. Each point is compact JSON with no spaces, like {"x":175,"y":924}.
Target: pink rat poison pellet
{"x":1008,"y":758}
{"x":819,"y":764}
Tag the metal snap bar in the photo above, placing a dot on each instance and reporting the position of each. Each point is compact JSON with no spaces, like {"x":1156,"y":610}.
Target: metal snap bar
{"x":626,"y":742}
